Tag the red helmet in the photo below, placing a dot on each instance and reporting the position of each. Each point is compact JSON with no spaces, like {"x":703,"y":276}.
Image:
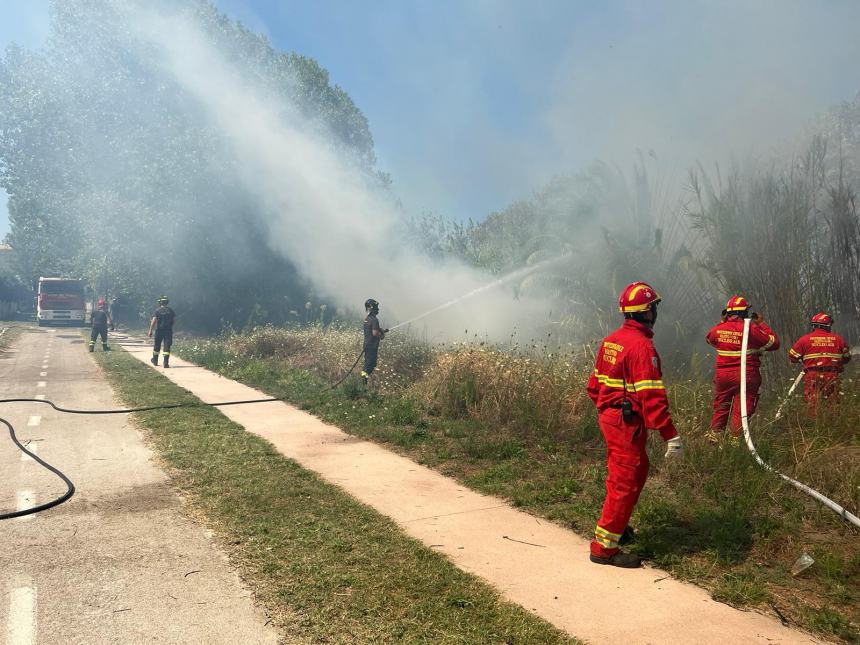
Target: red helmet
{"x":636,"y":297}
{"x":822,"y":319}
{"x":101,"y":302}
{"x":737,"y":303}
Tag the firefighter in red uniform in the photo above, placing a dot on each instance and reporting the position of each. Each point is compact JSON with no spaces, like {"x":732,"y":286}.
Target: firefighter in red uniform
{"x":727,"y":338}
{"x":627,"y":388}
{"x":823,"y":354}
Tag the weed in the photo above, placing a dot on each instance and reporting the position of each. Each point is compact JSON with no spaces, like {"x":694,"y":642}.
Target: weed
{"x":830,"y":622}
{"x":740,"y":589}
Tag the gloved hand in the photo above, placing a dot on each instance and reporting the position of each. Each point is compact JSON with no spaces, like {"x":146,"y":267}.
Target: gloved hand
{"x":674,"y":448}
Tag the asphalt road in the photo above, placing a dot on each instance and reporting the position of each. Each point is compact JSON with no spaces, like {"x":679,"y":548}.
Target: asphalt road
{"x":121,"y":562}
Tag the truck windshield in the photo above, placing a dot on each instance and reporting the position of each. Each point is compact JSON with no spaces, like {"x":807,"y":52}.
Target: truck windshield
{"x":71,"y":288}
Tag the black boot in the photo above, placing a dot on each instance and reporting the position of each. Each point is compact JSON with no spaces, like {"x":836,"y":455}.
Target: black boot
{"x":619,"y":559}
{"x":92,"y":347}
{"x":105,"y":348}
{"x":154,"y":359}
{"x":166,"y":362}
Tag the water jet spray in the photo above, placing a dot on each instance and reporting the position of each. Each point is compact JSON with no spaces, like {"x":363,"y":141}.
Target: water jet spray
{"x":515,"y":275}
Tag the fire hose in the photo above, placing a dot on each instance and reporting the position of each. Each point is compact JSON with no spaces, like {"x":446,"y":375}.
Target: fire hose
{"x":70,"y":487}
{"x":829,"y":503}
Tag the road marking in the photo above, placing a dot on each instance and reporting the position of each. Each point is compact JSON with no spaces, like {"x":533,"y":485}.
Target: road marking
{"x":43,"y":373}
{"x":41,"y":384}
{"x":32,"y":448}
{"x":41,"y":397}
{"x":26,"y":499}
{"x":34,"y":420}
{"x":21,"y":629}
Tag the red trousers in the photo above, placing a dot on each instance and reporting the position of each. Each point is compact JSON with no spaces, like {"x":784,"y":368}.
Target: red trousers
{"x":727,"y":397}
{"x":819,"y":385}
{"x":627,"y":463}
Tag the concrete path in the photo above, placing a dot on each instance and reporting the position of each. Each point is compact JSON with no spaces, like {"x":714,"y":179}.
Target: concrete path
{"x":119,"y":562}
{"x":533,"y":562}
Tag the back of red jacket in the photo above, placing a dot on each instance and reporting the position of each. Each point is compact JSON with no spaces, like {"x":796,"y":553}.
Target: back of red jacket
{"x":727,"y":337}
{"x":820,"y":349}
{"x":628,"y":366}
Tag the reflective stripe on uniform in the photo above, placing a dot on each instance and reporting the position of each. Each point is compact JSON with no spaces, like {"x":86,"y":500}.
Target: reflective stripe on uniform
{"x":728,"y":352}
{"x":794,"y":353}
{"x":631,"y":387}
{"x":834,"y":356}
{"x":648,"y":385}
{"x":771,"y":339}
{"x":605,"y":538}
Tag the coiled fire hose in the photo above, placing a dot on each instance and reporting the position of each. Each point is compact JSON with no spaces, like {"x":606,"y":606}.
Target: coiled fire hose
{"x":829,"y":503}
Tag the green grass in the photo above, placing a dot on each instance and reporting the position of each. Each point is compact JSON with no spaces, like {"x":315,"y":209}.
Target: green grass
{"x":715,"y":518}
{"x":327,"y":568}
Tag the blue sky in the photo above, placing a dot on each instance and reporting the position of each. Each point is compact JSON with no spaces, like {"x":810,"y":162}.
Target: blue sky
{"x":475,"y":103}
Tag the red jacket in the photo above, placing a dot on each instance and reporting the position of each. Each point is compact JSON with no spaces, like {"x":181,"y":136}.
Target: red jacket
{"x":727,"y":338}
{"x":627,"y":359}
{"x":820,"y":348}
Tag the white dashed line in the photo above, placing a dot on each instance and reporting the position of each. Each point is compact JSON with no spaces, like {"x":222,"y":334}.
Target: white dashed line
{"x":34,"y":420}
{"x":43,"y":373}
{"x":42,"y":384}
{"x":21,"y":629}
{"x":26,"y":499}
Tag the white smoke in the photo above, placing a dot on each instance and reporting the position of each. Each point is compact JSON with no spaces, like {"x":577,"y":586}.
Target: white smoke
{"x":322,"y":213}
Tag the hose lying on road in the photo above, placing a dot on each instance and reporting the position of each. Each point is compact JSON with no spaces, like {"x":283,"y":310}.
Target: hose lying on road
{"x":829,"y":503}
{"x":70,"y":487}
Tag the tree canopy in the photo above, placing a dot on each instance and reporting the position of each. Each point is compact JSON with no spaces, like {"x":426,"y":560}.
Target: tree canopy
{"x":115,"y":174}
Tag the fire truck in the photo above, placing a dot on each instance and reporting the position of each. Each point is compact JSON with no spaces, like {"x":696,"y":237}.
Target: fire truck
{"x":61,"y":301}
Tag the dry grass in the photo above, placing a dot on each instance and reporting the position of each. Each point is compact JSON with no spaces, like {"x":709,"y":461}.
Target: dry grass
{"x":330,"y":351}
{"x":505,"y":388}
{"x":518,"y":424}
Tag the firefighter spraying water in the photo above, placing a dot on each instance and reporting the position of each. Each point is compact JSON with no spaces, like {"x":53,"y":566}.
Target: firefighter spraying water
{"x":373,"y":333}
{"x":823,"y":355}
{"x":726,"y":337}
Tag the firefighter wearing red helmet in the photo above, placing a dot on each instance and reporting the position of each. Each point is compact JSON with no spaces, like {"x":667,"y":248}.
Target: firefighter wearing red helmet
{"x":726,"y":337}
{"x":823,"y":355}
{"x":627,"y":388}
